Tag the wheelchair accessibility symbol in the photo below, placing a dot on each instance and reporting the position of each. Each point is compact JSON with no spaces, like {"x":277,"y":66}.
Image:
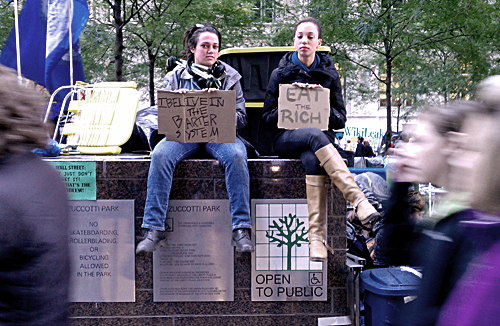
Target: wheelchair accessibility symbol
{"x":315,"y":278}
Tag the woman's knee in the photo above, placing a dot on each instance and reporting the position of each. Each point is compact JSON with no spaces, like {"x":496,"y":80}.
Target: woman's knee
{"x":159,"y":153}
{"x":164,"y":152}
{"x":314,"y":137}
{"x":318,"y":139}
{"x":314,"y":132}
{"x":239,"y":154}
{"x":311,"y":163}
{"x":229,"y":153}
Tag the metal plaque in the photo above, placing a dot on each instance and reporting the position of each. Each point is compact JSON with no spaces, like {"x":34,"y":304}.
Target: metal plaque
{"x":101,"y":242}
{"x":281,"y":269}
{"x":197,"y":264}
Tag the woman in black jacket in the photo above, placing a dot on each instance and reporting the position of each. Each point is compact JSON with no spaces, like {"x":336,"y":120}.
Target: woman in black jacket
{"x":308,"y":69}
{"x":34,"y":215}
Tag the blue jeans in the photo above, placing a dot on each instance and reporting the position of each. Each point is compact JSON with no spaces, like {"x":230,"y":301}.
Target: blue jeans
{"x":166,"y":155}
{"x":303,"y":143}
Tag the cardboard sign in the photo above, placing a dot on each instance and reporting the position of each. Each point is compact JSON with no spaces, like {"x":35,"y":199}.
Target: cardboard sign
{"x":303,"y":107}
{"x":197,"y":116}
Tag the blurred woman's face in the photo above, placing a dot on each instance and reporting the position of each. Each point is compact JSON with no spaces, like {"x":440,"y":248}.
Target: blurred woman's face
{"x":306,"y":40}
{"x":423,"y":159}
{"x":469,"y":160}
{"x":207,"y":49}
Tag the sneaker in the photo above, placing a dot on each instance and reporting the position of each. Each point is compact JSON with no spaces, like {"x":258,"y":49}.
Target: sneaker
{"x":152,"y":240}
{"x":241,"y":240}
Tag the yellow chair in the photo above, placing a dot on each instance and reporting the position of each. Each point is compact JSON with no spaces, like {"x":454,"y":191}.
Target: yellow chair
{"x":104,"y":117}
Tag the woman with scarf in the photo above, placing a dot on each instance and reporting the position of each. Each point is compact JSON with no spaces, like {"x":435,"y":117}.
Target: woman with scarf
{"x":201,"y":49}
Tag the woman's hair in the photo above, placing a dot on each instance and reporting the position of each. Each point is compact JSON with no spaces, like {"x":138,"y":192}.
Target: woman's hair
{"x":488,"y":92}
{"x":488,"y":198}
{"x":308,"y":20}
{"x":414,"y":206}
{"x":450,"y":117}
{"x":416,"y":202}
{"x":21,"y":124}
{"x":192,"y":35}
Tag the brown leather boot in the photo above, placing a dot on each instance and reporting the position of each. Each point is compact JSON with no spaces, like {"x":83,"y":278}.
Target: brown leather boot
{"x":335,"y":167}
{"x":317,"y":206}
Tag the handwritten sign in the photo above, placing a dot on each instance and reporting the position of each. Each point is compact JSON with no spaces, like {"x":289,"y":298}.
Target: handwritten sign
{"x":303,"y":107}
{"x":80,"y":179}
{"x":197,"y":116}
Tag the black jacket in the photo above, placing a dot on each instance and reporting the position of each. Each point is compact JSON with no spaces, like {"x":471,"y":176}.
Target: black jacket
{"x":359,"y":150}
{"x":34,"y":251}
{"x":446,"y":253}
{"x":364,"y":151}
{"x":395,"y":238}
{"x":287,"y":73}
{"x":368,"y":151}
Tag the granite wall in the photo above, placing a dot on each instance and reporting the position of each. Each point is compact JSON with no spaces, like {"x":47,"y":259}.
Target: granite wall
{"x":121,"y":178}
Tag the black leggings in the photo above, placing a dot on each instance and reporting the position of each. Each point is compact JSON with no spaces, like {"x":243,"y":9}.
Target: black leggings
{"x":302,"y":143}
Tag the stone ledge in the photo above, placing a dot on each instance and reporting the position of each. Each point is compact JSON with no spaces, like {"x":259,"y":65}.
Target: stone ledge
{"x":125,"y":177}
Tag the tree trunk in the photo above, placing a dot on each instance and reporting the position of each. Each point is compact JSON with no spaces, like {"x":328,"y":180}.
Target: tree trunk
{"x":117,"y":15}
{"x":152,"y":60}
{"x":289,"y":257}
{"x":388,"y":81}
{"x":397,"y":120}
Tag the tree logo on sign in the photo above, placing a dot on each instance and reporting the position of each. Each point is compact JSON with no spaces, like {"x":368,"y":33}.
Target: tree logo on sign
{"x":289,"y":234}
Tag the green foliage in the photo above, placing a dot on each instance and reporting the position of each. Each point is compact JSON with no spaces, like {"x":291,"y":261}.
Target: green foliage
{"x":6,"y":20}
{"x":429,"y":49}
{"x":435,"y":50}
{"x":153,"y":31}
{"x":283,"y":35}
{"x":97,"y":45}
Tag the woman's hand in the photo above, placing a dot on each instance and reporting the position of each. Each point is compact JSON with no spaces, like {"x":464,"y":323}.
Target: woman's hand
{"x":306,"y":85}
{"x":210,"y":90}
{"x":181,"y":91}
{"x":404,"y":168}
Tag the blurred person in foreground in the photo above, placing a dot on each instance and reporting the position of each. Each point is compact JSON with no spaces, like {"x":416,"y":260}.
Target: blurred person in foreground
{"x":34,"y":261}
{"x":445,"y":249}
{"x":475,"y":300}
